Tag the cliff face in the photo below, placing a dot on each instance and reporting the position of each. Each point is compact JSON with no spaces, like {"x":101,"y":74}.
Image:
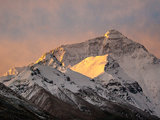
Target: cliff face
{"x":15,"y":107}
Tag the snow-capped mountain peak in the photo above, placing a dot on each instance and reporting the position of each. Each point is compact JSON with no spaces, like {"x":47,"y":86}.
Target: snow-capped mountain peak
{"x":114,"y":35}
{"x":115,"y":69}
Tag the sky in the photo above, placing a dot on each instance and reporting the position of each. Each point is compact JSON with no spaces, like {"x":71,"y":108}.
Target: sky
{"x":29,"y":28}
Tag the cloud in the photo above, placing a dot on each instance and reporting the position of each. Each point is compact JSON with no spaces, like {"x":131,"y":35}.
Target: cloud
{"x":29,"y":28}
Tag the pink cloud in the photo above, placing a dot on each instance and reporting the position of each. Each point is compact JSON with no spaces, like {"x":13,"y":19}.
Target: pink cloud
{"x":30,"y":28}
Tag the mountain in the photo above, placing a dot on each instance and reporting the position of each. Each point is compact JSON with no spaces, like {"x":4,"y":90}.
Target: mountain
{"x":102,"y":78}
{"x":133,"y":58}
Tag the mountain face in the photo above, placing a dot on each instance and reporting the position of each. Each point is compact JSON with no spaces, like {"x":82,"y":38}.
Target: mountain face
{"x":133,"y":58}
{"x":15,"y":107}
{"x":109,"y":77}
{"x":91,"y":66}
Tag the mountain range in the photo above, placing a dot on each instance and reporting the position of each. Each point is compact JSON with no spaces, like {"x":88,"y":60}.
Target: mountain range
{"x":110,"y":77}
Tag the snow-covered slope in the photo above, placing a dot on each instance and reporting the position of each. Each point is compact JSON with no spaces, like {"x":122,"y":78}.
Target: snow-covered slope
{"x":91,"y":66}
{"x":123,"y":88}
{"x":118,"y":64}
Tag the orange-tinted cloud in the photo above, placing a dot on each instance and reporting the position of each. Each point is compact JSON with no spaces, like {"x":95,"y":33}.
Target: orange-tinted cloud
{"x":29,"y":28}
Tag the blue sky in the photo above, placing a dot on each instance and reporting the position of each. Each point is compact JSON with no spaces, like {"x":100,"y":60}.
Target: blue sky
{"x":28,"y":28}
